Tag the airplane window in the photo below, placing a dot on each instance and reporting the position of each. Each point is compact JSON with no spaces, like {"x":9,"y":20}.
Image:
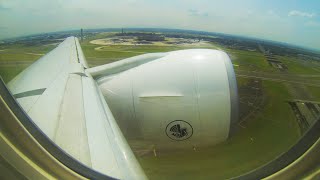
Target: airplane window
{"x":206,"y":90}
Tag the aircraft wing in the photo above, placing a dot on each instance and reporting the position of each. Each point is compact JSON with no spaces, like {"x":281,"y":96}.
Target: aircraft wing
{"x":65,"y":102}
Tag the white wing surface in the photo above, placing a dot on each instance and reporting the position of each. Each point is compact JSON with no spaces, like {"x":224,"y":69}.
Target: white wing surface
{"x":65,"y":102}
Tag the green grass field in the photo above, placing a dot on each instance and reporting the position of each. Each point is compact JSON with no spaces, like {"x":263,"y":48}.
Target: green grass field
{"x":315,"y":92}
{"x":297,"y":66}
{"x":247,"y":60}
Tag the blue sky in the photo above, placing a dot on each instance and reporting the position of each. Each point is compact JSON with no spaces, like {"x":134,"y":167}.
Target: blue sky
{"x":292,"y":21}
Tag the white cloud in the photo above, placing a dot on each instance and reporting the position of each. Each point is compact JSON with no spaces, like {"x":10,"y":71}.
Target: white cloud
{"x":273,"y":14}
{"x":195,"y":12}
{"x":312,"y":24}
{"x":301,"y":14}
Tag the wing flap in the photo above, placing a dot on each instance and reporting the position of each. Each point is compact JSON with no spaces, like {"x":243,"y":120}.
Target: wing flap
{"x":103,"y":157}
{"x":70,"y":132}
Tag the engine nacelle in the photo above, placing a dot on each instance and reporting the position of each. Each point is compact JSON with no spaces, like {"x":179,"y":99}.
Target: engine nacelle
{"x":185,"y":99}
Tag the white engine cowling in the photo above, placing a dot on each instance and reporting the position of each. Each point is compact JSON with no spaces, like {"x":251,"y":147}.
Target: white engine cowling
{"x":185,"y":99}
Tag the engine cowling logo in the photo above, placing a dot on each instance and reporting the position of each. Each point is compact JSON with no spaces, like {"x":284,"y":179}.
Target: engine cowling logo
{"x":179,"y":130}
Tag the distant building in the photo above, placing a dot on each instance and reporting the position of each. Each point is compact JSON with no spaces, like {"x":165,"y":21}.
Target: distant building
{"x":151,"y":37}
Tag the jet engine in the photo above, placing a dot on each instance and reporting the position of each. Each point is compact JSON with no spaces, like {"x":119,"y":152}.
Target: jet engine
{"x":181,"y":99}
